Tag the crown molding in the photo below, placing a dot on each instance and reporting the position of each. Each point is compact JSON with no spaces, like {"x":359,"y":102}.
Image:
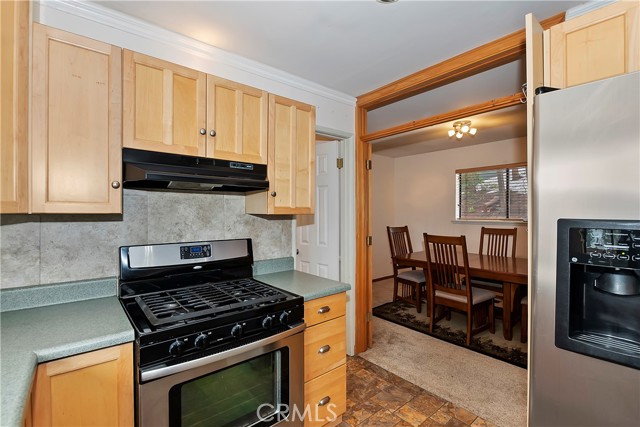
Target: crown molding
{"x":586,"y":8}
{"x":136,"y":27}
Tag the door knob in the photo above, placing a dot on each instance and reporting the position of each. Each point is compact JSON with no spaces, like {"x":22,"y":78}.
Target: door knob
{"x":212,"y":133}
{"x":115,"y":184}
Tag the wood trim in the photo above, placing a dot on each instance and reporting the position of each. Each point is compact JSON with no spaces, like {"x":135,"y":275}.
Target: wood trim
{"x":488,"y":168}
{"x":498,"y":52}
{"x":492,"y":105}
{"x":379,"y":279}
{"x":363,"y":253}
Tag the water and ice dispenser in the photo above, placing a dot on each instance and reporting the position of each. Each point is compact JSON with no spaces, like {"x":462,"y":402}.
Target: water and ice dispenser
{"x":598,"y":289}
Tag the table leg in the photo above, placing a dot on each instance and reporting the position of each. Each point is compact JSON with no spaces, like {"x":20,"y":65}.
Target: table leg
{"x":506,"y":311}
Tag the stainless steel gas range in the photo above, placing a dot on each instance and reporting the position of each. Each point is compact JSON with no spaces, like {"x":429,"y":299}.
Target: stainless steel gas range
{"x":213,"y":345}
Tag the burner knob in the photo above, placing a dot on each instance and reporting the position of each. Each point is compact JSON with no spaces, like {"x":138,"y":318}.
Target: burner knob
{"x":267,"y":322}
{"x":176,"y":348}
{"x":201,"y":341}
{"x":236,"y":331}
{"x":284,"y":318}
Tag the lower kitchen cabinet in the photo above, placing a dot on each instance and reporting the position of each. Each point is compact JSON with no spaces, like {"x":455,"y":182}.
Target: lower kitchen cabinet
{"x":325,"y":371}
{"x":90,"y":389}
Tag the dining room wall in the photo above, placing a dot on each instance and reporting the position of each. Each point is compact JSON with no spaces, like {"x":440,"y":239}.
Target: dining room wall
{"x":425,"y":190}
{"x":383,"y":214}
{"x":419,"y":191}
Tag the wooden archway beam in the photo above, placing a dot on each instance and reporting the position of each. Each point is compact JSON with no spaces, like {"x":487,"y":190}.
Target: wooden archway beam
{"x":485,"y":107}
{"x":493,"y":54}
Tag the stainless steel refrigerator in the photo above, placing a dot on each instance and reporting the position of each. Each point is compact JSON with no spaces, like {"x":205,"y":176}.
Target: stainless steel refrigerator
{"x":586,"y":165}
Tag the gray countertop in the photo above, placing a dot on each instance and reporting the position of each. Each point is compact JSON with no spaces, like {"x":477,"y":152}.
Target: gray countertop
{"x":41,"y":334}
{"x":34,"y":335}
{"x":306,"y":285}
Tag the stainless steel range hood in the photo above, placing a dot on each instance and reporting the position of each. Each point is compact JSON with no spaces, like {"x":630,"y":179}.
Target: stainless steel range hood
{"x":149,"y":170}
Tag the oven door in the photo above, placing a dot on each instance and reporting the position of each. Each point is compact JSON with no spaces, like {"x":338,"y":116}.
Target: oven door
{"x":258,"y":384}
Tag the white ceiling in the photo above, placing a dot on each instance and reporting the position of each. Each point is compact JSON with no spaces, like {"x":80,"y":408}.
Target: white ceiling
{"x":357,"y":46}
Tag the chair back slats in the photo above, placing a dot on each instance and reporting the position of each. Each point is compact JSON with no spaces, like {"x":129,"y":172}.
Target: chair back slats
{"x":399,"y":240}
{"x":498,"y":241}
{"x":443,"y":270}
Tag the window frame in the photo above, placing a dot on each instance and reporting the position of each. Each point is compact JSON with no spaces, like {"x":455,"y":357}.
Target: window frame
{"x":506,"y":166}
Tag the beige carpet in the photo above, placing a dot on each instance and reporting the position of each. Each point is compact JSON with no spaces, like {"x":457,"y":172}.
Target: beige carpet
{"x":494,"y":390}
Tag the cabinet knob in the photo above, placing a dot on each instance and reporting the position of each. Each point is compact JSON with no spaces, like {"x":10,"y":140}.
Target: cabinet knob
{"x":203,"y":131}
{"x":212,"y":132}
{"x":324,"y":401}
{"x":273,"y":194}
{"x":323,"y":310}
{"x":115,"y":184}
{"x":324,"y":349}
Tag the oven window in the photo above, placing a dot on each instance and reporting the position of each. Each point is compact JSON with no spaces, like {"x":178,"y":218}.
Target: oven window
{"x":231,"y":397}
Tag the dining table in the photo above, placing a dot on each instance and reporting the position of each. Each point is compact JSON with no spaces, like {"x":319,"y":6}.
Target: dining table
{"x":512,"y":272}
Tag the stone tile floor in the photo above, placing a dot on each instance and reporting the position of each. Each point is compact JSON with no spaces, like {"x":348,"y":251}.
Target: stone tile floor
{"x":379,"y":398}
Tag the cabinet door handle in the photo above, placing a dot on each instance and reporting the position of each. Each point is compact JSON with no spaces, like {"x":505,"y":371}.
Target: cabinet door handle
{"x":323,"y":310}
{"x":212,"y":132}
{"x":115,"y":184}
{"x":324,"y":349}
{"x":273,"y":194}
{"x":324,"y":401}
{"x":203,"y":131}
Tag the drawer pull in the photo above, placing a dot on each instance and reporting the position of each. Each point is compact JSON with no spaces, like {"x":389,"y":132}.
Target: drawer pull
{"x":324,"y":401}
{"x":324,"y":349}
{"x":323,"y":310}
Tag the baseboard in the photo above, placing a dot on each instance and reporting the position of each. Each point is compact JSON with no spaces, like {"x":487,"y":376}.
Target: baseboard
{"x":382,"y":278}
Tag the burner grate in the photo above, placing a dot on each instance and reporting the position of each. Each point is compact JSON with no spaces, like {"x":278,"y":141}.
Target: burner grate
{"x":211,"y":299}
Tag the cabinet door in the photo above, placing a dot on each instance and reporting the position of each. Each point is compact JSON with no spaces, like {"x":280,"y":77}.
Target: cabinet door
{"x":14,"y":95}
{"x":600,"y":44}
{"x":163,"y":106}
{"x":291,"y":162}
{"x":90,"y":389}
{"x":238,"y":116}
{"x":76,"y":133}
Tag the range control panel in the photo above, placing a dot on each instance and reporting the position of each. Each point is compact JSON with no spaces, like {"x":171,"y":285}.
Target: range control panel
{"x":195,"y":251}
{"x":607,"y":247}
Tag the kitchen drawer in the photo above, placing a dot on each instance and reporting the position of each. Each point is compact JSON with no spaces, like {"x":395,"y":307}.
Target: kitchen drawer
{"x":330,"y":338}
{"x":326,"y":308}
{"x":331,"y":386}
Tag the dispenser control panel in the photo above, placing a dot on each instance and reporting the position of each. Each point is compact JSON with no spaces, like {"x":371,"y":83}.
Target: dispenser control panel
{"x":605,"y":246}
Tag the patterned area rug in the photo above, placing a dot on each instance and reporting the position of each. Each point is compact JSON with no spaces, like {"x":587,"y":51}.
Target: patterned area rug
{"x":405,"y":315}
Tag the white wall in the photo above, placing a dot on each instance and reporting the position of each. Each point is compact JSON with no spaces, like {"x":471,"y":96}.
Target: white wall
{"x":383,"y":213}
{"x":424,"y":194}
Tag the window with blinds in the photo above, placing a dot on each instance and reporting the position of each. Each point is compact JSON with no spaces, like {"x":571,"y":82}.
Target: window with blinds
{"x":492,"y":193}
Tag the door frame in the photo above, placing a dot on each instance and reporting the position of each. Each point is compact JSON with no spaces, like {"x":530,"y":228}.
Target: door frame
{"x":347,"y":151}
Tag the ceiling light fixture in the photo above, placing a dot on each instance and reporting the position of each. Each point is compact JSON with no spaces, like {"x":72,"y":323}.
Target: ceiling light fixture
{"x":462,"y":128}
{"x":386,"y":1}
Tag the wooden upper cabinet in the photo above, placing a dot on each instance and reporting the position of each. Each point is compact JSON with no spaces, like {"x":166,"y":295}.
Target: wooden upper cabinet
{"x":14,"y":95}
{"x":597,"y":45}
{"x":76,"y":132}
{"x":90,"y":389}
{"x":164,"y":106}
{"x":237,"y":115}
{"x":291,"y":162}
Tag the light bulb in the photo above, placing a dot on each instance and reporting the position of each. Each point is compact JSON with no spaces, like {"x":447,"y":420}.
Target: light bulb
{"x":473,"y":131}
{"x":451,"y":133}
{"x":459,"y":135}
{"x":465,"y":128}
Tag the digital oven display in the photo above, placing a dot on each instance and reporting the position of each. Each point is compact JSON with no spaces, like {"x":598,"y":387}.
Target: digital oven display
{"x":195,"y":252}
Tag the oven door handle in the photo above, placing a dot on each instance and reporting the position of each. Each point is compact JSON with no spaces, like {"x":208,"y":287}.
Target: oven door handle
{"x":192,"y":364}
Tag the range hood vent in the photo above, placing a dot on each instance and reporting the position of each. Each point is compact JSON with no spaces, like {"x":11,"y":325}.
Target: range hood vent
{"x":149,"y":170}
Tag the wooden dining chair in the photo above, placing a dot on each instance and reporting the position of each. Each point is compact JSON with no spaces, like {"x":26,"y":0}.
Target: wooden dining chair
{"x":412,"y":283}
{"x":496,"y":242}
{"x":449,"y":284}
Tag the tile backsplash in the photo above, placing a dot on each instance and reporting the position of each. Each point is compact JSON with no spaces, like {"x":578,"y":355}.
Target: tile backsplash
{"x":39,"y":249}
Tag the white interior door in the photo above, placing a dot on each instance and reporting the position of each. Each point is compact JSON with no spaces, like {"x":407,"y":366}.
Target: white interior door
{"x":318,"y":235}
